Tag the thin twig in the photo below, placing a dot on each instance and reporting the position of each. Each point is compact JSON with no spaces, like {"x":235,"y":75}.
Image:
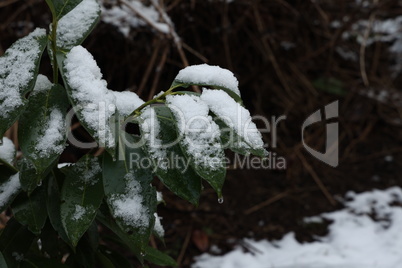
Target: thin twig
{"x":185,"y":246}
{"x":317,"y":179}
{"x":266,"y":203}
{"x":362,"y":60}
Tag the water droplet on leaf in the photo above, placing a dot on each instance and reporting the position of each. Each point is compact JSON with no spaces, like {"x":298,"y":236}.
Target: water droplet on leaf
{"x":142,"y":253}
{"x":39,"y":183}
{"x":220,"y":200}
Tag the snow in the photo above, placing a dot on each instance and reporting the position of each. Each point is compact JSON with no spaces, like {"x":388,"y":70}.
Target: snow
{"x":124,"y":18}
{"x":158,"y":226}
{"x":159,"y":197}
{"x":128,"y":206}
{"x":9,"y":188}
{"x":79,"y":212}
{"x":62,"y":165}
{"x":204,"y":74}
{"x":355,"y":239}
{"x":7,"y":150}
{"x":234,"y":116}
{"x":150,"y":129}
{"x":17,"y":68}
{"x":97,"y":103}
{"x":89,"y":170}
{"x":127,"y":102}
{"x":42,"y":84}
{"x":74,"y":25}
{"x":52,"y":140}
{"x":200,"y":134}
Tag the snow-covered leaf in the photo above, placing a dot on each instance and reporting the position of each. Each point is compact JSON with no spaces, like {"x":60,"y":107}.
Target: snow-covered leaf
{"x":200,"y":140}
{"x":211,"y":76}
{"x":9,"y":189}
{"x":62,"y":7}
{"x":75,"y":26}
{"x":93,"y":102}
{"x":158,"y":130}
{"x":129,"y":194}
{"x":18,"y":70}
{"x":241,"y":133}
{"x":29,"y":210}
{"x":81,"y":196}
{"x":42,"y":127}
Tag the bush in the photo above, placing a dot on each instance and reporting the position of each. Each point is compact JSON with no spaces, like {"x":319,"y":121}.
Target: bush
{"x":57,"y":209}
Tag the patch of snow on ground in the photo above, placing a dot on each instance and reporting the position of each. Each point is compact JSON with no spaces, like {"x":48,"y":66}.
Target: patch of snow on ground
{"x":131,"y":14}
{"x":355,"y":239}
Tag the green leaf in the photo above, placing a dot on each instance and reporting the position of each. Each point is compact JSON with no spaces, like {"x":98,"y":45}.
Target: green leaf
{"x":129,"y":195}
{"x":81,"y":196}
{"x":76,"y":25}
{"x":177,"y":176}
{"x":42,"y":263}
{"x":53,"y":204}
{"x":3,"y":262}
{"x":15,"y":241}
{"x":107,"y":220}
{"x":330,"y":85}
{"x":9,"y":189}
{"x":42,"y":129}
{"x":28,"y":210}
{"x":18,"y":70}
{"x":29,"y":177}
{"x":111,"y":258}
{"x":159,"y":258}
{"x":61,"y":7}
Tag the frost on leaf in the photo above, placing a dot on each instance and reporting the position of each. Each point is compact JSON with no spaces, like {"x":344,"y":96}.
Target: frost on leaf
{"x":207,"y":75}
{"x":96,"y":104}
{"x":7,"y":150}
{"x":236,"y":117}
{"x":73,"y":27}
{"x":151,"y":130}
{"x":8,"y":189}
{"x":51,"y":141}
{"x":129,"y":205}
{"x":200,"y":134}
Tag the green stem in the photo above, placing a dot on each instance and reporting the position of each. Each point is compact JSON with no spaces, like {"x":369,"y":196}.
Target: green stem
{"x":137,"y":111}
{"x":54,"y":49}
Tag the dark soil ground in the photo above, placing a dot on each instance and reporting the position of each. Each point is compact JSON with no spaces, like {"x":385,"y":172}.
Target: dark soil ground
{"x":246,"y":37}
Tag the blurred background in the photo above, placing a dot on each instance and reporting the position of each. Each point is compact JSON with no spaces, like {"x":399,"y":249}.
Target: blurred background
{"x":291,"y":57}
